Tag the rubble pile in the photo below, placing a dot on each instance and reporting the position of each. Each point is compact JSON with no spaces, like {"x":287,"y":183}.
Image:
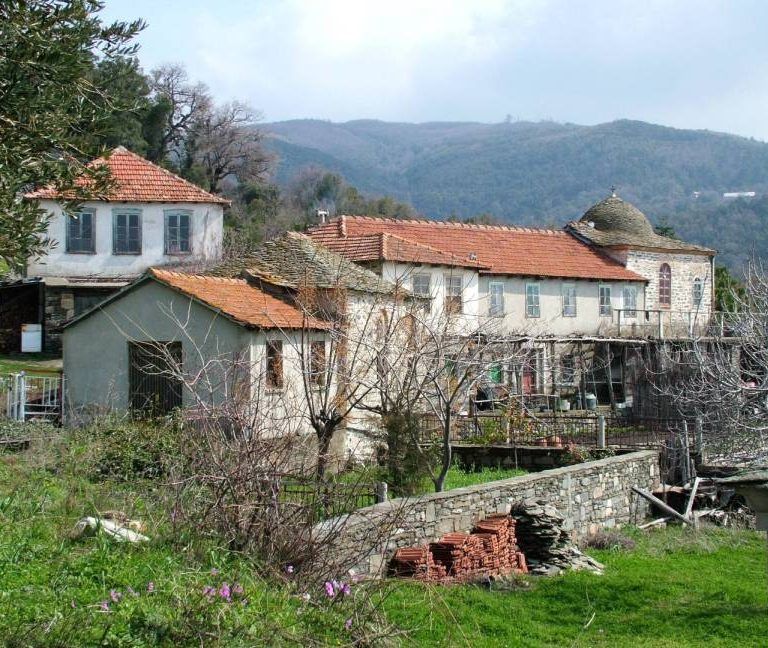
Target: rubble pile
{"x":544,"y":541}
{"x":490,"y":549}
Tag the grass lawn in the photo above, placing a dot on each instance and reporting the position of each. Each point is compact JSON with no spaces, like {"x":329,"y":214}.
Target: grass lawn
{"x":458,"y":478}
{"x":30,"y":362}
{"x":676,"y":588}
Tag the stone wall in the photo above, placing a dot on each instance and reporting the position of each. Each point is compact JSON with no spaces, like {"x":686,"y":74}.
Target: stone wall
{"x":590,"y":496}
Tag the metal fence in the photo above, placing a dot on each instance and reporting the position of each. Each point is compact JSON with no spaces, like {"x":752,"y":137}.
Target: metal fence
{"x":540,"y":430}
{"x":30,"y":397}
{"x":323,"y":500}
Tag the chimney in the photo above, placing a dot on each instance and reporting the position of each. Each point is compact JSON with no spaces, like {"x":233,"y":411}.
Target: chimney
{"x":322,"y":215}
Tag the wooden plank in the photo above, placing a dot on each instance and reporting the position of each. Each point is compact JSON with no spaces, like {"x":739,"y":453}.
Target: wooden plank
{"x":661,"y":505}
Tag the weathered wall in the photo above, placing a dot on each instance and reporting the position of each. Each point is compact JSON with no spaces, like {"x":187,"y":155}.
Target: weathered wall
{"x":590,"y":496}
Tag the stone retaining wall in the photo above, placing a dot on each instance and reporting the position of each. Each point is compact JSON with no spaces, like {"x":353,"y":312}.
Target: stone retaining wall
{"x":590,"y":496}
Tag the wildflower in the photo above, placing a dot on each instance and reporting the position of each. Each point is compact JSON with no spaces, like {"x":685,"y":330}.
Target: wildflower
{"x":305,"y":597}
{"x":115,"y":596}
{"x":104,"y":606}
{"x":214,"y":572}
{"x":329,"y":589}
{"x":289,"y":569}
{"x":346,"y":589}
{"x":72,"y":604}
{"x":237,"y":588}
{"x":348,"y":624}
{"x":209,"y":591}
{"x":132,"y":591}
{"x":225,"y":592}
{"x":150,"y":587}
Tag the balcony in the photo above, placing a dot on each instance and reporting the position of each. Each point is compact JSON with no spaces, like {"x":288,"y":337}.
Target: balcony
{"x":665,"y":324}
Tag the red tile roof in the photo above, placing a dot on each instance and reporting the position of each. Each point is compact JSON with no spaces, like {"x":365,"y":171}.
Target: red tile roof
{"x":239,"y":300}
{"x":138,"y":180}
{"x":390,"y":247}
{"x":498,"y":249}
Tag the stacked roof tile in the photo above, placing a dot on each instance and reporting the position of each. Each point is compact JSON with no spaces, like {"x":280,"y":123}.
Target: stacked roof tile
{"x":239,"y":300}
{"x":137,"y":180}
{"x":496,"y":249}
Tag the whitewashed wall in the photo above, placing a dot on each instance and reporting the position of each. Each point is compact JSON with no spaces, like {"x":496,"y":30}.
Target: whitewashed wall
{"x":207,"y":229}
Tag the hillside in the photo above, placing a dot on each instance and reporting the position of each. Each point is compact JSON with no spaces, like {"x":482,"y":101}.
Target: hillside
{"x":537,"y":173}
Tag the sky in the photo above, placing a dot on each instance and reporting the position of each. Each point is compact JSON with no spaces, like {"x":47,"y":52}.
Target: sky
{"x":683,"y":63}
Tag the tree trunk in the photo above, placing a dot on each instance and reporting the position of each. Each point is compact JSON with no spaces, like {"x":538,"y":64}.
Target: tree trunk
{"x":447,"y":454}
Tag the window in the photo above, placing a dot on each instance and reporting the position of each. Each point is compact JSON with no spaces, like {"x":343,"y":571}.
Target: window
{"x":154,"y":384}
{"x":421,"y":287}
{"x":629,"y":299}
{"x":86,"y":300}
{"x":605,"y":301}
{"x":569,"y":300}
{"x":80,"y":238}
{"x":665,"y":285}
{"x":317,"y":363}
{"x":453,"y":290}
{"x":126,"y":231}
{"x":567,"y":370}
{"x":177,"y":232}
{"x":274,"y":364}
{"x":496,"y":293}
{"x":698,"y":292}
{"x":532,"y":300}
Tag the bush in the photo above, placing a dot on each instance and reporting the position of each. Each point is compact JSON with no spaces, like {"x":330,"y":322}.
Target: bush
{"x":123,"y":449}
{"x":406,"y":465}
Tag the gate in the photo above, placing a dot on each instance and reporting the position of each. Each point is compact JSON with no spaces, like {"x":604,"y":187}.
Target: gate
{"x":32,"y":397}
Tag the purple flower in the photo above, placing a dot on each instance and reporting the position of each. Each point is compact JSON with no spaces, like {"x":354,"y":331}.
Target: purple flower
{"x":289,"y":569}
{"x":237,"y":588}
{"x":151,"y":586}
{"x":214,"y":572}
{"x":104,"y":606}
{"x":346,"y":589}
{"x":209,"y":591}
{"x":115,"y":596}
{"x":329,"y":589}
{"x":348,"y":624}
{"x":225,"y":592}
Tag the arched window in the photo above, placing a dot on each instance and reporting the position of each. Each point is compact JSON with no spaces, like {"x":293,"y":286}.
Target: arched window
{"x":665,"y":285}
{"x":698,"y":292}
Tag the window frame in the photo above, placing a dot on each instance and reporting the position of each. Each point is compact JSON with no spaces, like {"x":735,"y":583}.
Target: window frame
{"x":698,"y":292}
{"x":178,"y":213}
{"x":274,"y":374}
{"x":73,"y":217}
{"x":566,"y":290}
{"x":604,"y":310}
{"x":532,"y":307}
{"x":317,"y":372}
{"x":629,"y":311}
{"x":496,"y":309}
{"x":426,"y":297}
{"x":128,"y":213}
{"x":454,"y":303}
{"x":665,"y":286}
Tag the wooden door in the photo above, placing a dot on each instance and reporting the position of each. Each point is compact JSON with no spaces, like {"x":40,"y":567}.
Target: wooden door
{"x":154,"y":384}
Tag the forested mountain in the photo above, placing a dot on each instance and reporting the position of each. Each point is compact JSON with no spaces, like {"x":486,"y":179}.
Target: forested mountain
{"x":543,"y":173}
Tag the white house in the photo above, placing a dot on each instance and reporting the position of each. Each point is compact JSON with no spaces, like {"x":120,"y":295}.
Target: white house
{"x":151,"y":217}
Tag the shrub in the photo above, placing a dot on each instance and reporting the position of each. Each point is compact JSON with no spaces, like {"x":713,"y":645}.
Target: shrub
{"x":612,"y":540}
{"x":406,"y":466}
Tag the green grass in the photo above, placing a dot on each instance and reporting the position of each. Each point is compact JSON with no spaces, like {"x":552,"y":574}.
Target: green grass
{"x":458,"y":478}
{"x":52,"y":586}
{"x":30,"y":362}
{"x":676,"y":588}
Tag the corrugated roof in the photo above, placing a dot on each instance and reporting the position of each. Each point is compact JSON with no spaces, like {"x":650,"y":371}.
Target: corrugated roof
{"x":499,"y":249}
{"x":239,"y":300}
{"x":296,"y":260}
{"x":137,"y":180}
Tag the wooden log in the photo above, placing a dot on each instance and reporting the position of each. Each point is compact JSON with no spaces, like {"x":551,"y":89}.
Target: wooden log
{"x":654,"y":523}
{"x":661,"y":505}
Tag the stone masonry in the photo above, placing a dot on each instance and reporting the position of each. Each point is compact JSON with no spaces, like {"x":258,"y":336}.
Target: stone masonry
{"x":590,"y":496}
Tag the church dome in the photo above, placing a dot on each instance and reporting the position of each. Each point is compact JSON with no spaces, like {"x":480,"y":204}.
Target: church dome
{"x":615,"y":215}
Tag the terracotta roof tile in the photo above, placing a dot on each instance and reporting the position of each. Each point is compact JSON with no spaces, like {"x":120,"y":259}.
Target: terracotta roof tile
{"x":384,"y":246}
{"x":138,"y":180}
{"x":239,"y":300}
{"x":499,"y":249}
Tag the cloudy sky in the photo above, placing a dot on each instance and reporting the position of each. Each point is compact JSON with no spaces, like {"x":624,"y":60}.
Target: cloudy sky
{"x":684,"y":63}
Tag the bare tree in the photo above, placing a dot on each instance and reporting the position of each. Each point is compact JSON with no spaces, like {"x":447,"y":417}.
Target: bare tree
{"x":722,"y":378}
{"x":224,"y":140}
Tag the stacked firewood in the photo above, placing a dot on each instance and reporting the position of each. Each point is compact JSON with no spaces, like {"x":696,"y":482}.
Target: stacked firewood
{"x":490,"y":549}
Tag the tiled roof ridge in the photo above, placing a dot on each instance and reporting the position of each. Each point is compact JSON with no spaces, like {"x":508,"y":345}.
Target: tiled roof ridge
{"x":177,"y":178}
{"x":342,"y":219}
{"x":160,"y":273}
